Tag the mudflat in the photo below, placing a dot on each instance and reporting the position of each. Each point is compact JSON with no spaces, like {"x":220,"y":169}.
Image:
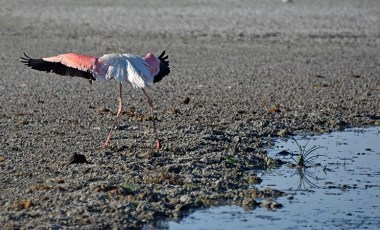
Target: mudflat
{"x":240,"y":71}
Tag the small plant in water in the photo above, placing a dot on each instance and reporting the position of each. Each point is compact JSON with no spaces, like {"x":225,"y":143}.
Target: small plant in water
{"x":305,"y":156}
{"x":267,"y":161}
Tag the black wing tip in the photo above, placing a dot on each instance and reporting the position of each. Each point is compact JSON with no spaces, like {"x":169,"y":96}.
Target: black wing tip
{"x":162,"y":56}
{"x":164,"y":67}
{"x":25,"y":59}
{"x":31,"y":62}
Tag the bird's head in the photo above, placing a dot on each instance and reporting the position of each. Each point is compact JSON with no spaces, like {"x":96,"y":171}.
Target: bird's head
{"x":153,"y":62}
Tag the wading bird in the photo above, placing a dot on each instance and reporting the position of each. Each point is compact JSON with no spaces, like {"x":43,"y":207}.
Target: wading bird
{"x":141,"y":72}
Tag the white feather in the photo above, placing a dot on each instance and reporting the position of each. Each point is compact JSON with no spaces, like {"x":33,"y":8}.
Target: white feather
{"x":122,"y":67}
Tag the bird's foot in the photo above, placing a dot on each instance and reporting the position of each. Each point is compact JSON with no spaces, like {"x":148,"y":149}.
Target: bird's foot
{"x":158,"y":145}
{"x":107,"y":140}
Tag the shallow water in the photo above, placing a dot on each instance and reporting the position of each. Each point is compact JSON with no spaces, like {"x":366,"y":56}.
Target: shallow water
{"x":340,"y":190}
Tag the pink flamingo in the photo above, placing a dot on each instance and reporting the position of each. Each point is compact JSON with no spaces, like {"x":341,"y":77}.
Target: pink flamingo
{"x":141,"y":72}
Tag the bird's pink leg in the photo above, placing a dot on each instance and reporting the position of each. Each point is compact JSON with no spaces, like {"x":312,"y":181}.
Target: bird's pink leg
{"x":106,"y":144}
{"x":150,"y":103}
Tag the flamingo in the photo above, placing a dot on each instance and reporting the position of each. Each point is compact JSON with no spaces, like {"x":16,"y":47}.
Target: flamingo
{"x":141,"y":72}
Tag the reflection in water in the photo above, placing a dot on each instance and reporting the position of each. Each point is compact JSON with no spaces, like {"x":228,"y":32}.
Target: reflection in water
{"x":305,"y":160}
{"x":305,"y":177}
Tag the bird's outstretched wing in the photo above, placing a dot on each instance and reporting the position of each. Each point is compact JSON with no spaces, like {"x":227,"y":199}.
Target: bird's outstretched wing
{"x":164,"y":67}
{"x":64,"y":64}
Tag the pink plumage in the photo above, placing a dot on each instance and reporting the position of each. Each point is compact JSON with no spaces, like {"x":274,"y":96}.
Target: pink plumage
{"x":77,"y":61}
{"x":153,"y":62}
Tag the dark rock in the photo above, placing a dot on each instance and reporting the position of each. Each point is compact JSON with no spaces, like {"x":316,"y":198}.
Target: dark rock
{"x":76,"y":158}
{"x":284,"y":153}
{"x":185,"y":100}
